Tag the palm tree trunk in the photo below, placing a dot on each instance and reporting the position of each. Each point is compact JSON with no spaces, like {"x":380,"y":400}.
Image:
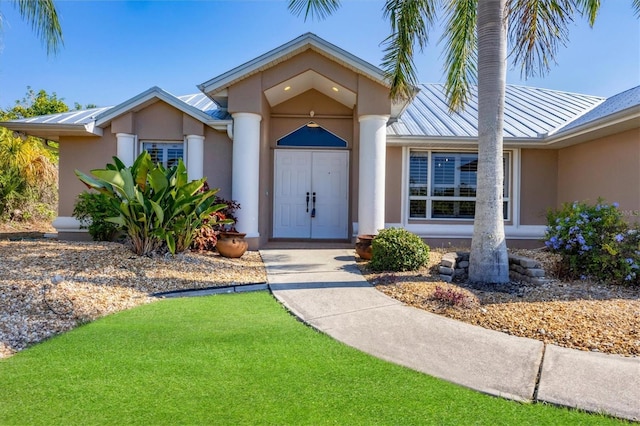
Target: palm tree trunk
{"x":489,"y":261}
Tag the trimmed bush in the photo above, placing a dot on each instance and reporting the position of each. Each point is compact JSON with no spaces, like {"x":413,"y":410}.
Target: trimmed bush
{"x":594,"y":242}
{"x":397,"y":249}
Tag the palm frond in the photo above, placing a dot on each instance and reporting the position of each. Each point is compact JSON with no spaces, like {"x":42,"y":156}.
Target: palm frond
{"x":536,"y":29}
{"x":410,"y":23}
{"x":43,"y":17}
{"x":316,"y":9}
{"x":589,"y":8}
{"x":461,"y":47}
{"x":636,"y":8}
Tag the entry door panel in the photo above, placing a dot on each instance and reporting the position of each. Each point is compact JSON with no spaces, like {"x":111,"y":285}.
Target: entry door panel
{"x":320,"y":173}
{"x":292,"y":183}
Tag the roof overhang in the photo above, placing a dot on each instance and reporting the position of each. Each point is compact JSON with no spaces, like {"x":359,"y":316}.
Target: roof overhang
{"x":53,"y":131}
{"x":618,"y":122}
{"x":150,"y":97}
{"x":216,"y":88}
{"x":217,"y":85}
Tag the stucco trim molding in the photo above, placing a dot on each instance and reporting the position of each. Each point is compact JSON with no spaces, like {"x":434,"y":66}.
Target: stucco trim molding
{"x":67,"y":224}
{"x":523,"y":232}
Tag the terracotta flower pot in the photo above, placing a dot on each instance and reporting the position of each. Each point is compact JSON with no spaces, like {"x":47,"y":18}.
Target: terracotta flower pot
{"x":231,"y":244}
{"x":363,"y":246}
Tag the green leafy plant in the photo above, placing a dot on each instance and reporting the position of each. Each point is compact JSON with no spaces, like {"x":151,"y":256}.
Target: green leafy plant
{"x":159,"y":208}
{"x":594,"y":242}
{"x":206,"y":237}
{"x":397,"y":249}
{"x":93,"y":209}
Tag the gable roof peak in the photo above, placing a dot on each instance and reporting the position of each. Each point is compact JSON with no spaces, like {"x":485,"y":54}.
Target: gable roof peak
{"x":273,"y":57}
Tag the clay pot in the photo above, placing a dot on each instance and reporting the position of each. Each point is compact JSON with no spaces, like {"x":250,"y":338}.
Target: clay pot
{"x":231,"y":244}
{"x":363,"y":246}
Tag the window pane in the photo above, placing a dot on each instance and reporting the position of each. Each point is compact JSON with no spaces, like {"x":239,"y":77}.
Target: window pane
{"x":467,"y":191}
{"x":418,"y":208}
{"x":154,"y":151}
{"x":174,"y":153}
{"x":440,"y":209}
{"x":444,"y":167}
{"x":418,"y":168}
{"x":420,"y":191}
{"x":444,"y":192}
{"x":466,"y":209}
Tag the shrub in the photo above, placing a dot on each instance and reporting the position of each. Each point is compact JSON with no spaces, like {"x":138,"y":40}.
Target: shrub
{"x":397,"y":249}
{"x":159,"y":208}
{"x":594,"y":242}
{"x":93,"y":209}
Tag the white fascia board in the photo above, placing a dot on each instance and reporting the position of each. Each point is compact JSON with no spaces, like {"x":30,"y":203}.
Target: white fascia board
{"x":288,"y":49}
{"x":146,"y":96}
{"x":458,"y":142}
{"x":50,"y":131}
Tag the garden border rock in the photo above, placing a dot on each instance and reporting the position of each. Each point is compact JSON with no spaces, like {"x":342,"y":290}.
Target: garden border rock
{"x":455,"y":265}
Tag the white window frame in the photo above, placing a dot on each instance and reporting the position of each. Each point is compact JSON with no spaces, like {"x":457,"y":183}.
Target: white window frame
{"x":165,"y":146}
{"x":508,"y":196}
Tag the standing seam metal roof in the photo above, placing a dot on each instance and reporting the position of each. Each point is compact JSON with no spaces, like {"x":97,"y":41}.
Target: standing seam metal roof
{"x":529,"y":113}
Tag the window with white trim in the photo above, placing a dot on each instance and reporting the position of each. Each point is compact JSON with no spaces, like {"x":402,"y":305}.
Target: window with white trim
{"x":442,"y":185}
{"x":165,"y":153}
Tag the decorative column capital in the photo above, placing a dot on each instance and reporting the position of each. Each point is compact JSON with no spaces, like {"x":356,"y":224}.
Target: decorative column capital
{"x":247,"y":115}
{"x":373,"y":117}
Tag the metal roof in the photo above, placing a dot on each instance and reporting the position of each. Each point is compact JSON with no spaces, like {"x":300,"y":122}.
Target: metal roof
{"x":206,"y":105}
{"x":529,"y":113}
{"x":77,"y":117}
{"x":82,"y":117}
{"x":617,"y":103}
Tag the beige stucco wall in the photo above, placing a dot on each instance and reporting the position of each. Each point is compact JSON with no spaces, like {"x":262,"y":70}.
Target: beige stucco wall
{"x":393,"y":185}
{"x":159,"y":121}
{"x":538,"y":184}
{"x":217,"y":161}
{"x":84,"y":154}
{"x":607,"y":167}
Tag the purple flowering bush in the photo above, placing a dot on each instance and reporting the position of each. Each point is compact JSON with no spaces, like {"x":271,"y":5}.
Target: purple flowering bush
{"x":594,"y":242}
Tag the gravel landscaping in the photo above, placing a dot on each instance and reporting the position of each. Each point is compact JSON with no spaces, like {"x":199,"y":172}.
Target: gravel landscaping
{"x":581,"y":315}
{"x":48,"y":287}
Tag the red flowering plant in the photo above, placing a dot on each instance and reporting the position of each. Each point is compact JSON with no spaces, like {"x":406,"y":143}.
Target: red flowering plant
{"x":206,"y":236}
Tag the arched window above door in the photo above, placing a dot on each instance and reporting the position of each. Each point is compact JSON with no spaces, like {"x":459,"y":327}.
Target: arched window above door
{"x":312,"y":135}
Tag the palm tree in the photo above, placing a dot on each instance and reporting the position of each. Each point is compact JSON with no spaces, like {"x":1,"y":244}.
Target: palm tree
{"x":476,"y":35}
{"x":43,"y":17}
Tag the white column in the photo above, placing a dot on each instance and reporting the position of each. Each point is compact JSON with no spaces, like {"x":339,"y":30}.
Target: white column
{"x":195,"y":157}
{"x":371,"y":191}
{"x":245,"y":175}
{"x":126,"y":150}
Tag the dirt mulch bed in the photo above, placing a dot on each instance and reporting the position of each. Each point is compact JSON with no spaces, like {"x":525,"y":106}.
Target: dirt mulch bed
{"x":48,"y":287}
{"x":581,"y":315}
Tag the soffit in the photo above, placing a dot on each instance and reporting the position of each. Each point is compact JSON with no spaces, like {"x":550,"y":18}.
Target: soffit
{"x":308,"y":80}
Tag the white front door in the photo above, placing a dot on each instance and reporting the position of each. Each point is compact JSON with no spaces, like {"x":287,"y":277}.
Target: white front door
{"x":311,"y":194}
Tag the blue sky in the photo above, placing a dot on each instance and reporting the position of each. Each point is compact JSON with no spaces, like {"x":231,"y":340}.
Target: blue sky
{"x":116,"y":49}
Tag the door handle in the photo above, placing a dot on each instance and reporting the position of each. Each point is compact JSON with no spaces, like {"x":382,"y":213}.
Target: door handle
{"x":313,"y":209}
{"x":307,"y":202}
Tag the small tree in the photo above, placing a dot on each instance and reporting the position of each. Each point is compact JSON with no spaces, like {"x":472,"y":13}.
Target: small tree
{"x":158,"y":207}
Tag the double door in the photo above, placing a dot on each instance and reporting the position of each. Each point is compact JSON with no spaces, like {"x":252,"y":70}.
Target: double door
{"x":311,"y":194}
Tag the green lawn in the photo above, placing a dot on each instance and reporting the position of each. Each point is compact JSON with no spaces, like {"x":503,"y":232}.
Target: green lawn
{"x":233,"y":359}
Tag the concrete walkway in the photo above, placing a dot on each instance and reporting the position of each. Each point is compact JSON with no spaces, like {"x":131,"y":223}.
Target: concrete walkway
{"x":324,"y":288}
